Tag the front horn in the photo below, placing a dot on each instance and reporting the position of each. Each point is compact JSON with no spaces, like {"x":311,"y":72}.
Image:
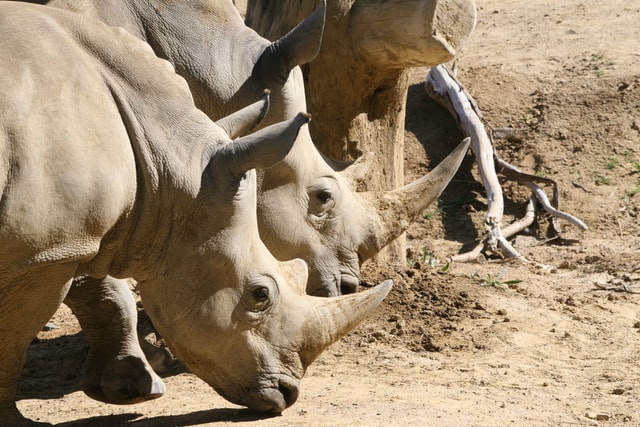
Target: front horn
{"x":333,"y":318}
{"x":400,"y":207}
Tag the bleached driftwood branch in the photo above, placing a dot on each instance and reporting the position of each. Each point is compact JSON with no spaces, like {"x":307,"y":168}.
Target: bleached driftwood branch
{"x":447,"y":90}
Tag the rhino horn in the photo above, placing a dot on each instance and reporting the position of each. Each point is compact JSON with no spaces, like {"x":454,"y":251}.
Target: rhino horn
{"x":299,"y":46}
{"x":244,"y":121}
{"x":334,"y":317}
{"x":399,"y":207}
{"x":262,"y":149}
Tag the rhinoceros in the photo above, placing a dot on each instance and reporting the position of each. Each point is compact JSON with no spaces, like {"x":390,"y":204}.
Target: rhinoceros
{"x":307,"y":206}
{"x":107,"y":167}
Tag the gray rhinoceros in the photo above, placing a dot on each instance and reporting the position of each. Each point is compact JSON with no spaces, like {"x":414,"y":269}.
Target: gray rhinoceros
{"x":107,"y":167}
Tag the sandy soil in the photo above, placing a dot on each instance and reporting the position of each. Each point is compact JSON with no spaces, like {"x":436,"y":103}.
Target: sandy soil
{"x":478,"y":344}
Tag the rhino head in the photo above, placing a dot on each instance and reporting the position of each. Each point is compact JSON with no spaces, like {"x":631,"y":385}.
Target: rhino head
{"x":234,"y":315}
{"x":332,"y":227}
{"x":307,"y":204}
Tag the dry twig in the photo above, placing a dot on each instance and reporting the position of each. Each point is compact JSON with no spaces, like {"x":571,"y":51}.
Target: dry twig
{"x":447,"y":90}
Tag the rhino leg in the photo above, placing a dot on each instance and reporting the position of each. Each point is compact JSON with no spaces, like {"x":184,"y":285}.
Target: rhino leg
{"x":117,"y":370}
{"x":26,"y":303}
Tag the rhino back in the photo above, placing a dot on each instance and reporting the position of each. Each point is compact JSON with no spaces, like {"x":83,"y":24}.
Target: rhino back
{"x":63,"y":187}
{"x":206,"y":41}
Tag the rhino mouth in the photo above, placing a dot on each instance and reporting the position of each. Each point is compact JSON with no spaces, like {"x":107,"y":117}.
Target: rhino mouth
{"x":341,"y":284}
{"x":275,"y":397}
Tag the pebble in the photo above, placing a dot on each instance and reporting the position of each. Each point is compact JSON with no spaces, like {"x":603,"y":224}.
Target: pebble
{"x":597,"y":417}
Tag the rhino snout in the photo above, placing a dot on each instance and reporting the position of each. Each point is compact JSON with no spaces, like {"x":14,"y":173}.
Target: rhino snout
{"x":333,"y":285}
{"x":274,"y":398}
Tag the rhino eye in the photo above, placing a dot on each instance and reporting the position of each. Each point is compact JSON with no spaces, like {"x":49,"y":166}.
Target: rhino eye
{"x":323,"y":196}
{"x":258,"y":297}
{"x":261,"y":294}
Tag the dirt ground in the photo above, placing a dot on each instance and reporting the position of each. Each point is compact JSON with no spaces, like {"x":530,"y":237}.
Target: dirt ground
{"x":478,"y":344}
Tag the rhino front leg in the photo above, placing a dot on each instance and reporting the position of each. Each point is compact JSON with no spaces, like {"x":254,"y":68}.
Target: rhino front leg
{"x":26,"y":303}
{"x":117,"y":370}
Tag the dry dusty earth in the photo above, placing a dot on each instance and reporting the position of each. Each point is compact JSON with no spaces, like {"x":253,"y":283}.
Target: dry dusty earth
{"x":469,"y":346}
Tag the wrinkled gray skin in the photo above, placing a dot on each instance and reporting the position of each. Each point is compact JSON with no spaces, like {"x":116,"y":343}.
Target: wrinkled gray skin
{"x":107,"y":167}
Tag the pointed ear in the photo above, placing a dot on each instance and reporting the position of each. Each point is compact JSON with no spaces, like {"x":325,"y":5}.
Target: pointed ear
{"x":261,"y":149}
{"x":355,"y":172}
{"x":299,"y":46}
{"x":245,"y":120}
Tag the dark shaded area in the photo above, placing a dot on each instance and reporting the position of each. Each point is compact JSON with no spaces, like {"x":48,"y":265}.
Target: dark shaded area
{"x":102,"y":421}
{"x":53,"y":367}
{"x":238,"y":415}
{"x":438,"y":134}
{"x":193,"y":419}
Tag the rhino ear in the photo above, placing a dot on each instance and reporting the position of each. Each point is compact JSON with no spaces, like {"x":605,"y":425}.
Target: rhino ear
{"x":245,"y":120}
{"x":355,"y":172}
{"x":263,"y":148}
{"x":299,"y":46}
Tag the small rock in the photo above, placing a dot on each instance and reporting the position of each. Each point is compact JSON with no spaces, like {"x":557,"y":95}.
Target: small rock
{"x":525,"y":242}
{"x":49,"y":326}
{"x":597,"y":417}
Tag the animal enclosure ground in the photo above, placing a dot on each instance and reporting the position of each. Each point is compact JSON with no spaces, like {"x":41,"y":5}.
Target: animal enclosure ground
{"x":476,"y":345}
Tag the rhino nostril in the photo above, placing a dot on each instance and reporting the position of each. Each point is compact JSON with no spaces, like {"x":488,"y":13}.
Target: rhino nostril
{"x":348,"y":284}
{"x":289,"y":392}
{"x":282,"y":393}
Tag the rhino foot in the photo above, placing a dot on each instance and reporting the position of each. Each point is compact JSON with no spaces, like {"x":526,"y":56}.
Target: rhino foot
{"x":123,"y":381}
